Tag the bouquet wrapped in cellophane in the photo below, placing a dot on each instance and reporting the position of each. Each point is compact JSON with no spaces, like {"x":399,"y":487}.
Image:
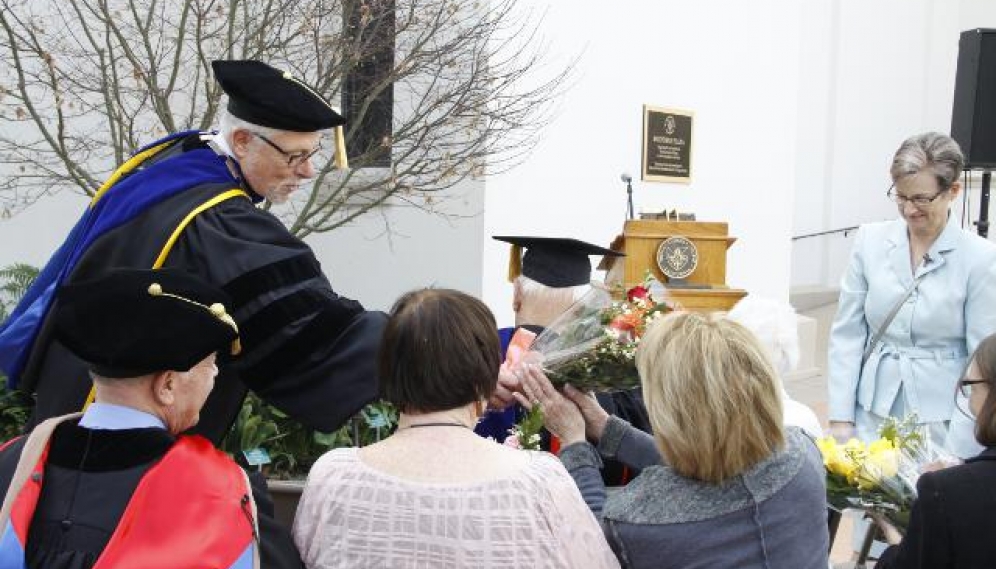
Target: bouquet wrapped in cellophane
{"x":881,"y":476}
{"x":593,"y":344}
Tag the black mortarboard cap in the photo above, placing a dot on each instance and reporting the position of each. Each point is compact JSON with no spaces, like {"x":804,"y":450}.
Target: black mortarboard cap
{"x":269,"y":97}
{"x":552,"y":261}
{"x":132,"y":322}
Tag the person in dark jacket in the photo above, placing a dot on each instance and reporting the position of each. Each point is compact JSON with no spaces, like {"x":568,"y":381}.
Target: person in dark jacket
{"x":723,"y":482}
{"x":952,"y":524}
{"x":189,"y":201}
{"x":118,"y":485}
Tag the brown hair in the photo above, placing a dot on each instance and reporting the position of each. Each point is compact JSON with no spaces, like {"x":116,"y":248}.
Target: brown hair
{"x":713,"y":397}
{"x":985,"y":362}
{"x":440,"y":350}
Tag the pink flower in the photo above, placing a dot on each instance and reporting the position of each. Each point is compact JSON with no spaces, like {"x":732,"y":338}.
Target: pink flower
{"x":513,"y":441}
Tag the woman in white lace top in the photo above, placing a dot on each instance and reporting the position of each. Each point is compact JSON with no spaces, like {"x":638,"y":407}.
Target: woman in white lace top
{"x":434,"y":494}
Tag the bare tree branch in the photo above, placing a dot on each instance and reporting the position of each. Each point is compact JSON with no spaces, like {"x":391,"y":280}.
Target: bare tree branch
{"x":85,"y":83}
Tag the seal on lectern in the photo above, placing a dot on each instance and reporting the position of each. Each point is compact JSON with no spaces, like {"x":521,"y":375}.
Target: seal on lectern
{"x":677,"y":257}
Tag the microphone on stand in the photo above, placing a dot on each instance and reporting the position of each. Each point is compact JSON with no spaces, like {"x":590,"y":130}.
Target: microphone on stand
{"x":628,"y":180}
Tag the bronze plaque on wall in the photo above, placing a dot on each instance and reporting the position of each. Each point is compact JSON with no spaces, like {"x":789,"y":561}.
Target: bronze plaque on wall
{"x":667,"y":145}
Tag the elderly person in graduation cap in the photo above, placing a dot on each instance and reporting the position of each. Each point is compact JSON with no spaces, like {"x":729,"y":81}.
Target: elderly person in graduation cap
{"x":548,"y":278}
{"x":189,"y":201}
{"x":118,"y":486}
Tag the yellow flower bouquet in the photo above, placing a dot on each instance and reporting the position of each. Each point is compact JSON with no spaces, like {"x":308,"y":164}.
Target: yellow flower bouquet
{"x":879,"y":476}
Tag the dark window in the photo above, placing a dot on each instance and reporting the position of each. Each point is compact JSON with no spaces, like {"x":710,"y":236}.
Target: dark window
{"x":367,"y":98}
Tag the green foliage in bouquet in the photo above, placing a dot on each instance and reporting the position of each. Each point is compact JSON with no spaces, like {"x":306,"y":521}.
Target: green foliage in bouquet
{"x":593,"y":345}
{"x":525,"y":434}
{"x":607,"y":368}
{"x":294,"y":448}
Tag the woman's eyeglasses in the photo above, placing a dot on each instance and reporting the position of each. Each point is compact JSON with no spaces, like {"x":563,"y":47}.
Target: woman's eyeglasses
{"x":963,"y":393}
{"x":918,"y":200}
{"x":965,"y":384}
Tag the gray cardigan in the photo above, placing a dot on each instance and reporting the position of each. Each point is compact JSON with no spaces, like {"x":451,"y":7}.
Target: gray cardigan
{"x":772,"y":516}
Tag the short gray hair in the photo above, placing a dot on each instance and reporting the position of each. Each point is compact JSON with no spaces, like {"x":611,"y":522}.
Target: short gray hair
{"x":567,"y":295}
{"x":229,"y":123}
{"x":933,"y":150}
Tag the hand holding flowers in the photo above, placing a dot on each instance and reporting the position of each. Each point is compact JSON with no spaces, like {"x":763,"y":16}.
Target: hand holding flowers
{"x":560,"y":415}
{"x":879,"y":477}
{"x":572,"y":416}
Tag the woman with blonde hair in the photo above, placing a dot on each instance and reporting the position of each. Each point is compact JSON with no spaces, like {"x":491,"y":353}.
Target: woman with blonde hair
{"x":724,"y":484}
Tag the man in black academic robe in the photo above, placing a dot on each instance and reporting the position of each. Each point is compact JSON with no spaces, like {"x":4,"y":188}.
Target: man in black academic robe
{"x":190,"y":202}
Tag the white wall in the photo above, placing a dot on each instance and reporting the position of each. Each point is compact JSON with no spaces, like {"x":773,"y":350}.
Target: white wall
{"x":33,"y":235}
{"x":735,"y":64}
{"x":365,"y":262}
{"x":873,"y":73}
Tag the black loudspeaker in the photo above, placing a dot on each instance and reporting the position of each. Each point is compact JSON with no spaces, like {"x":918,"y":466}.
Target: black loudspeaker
{"x":973,"y":118}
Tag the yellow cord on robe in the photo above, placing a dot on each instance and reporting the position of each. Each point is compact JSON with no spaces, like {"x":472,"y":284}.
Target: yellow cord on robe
{"x":127,"y":167}
{"x":235,"y":192}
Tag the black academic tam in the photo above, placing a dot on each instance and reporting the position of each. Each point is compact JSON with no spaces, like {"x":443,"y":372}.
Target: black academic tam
{"x":268,"y":97}
{"x":131,"y":322}
{"x":555,"y":261}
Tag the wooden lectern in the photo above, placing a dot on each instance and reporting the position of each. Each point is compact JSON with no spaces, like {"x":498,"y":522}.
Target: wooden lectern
{"x":704,"y":289}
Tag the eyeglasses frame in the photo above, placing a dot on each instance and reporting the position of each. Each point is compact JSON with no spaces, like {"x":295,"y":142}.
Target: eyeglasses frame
{"x":917,"y":201}
{"x":960,"y":390}
{"x":293,"y":158}
{"x":964,"y":382}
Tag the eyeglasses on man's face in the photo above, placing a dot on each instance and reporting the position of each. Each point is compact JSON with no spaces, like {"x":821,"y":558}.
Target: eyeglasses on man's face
{"x":294,"y":159}
{"x":918,"y":200}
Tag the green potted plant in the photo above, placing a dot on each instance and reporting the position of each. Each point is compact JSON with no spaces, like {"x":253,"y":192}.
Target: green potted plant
{"x":289,"y":449}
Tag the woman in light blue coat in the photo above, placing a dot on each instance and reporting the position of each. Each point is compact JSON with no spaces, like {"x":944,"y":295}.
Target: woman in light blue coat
{"x":941,"y":282}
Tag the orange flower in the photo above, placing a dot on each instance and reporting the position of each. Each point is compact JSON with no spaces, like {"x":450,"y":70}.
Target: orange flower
{"x":630,"y":322}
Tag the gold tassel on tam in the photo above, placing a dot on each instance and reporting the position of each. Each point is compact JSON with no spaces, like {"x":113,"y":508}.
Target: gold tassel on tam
{"x":341,"y":160}
{"x":515,"y":263}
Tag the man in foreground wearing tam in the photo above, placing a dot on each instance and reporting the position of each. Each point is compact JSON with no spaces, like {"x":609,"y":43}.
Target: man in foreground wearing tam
{"x":189,"y":201}
{"x":548,"y":278}
{"x":118,"y":486}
